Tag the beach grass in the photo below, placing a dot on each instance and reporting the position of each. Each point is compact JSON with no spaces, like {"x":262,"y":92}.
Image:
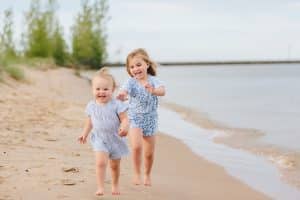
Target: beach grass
{"x":15,"y":72}
{"x":9,"y":66}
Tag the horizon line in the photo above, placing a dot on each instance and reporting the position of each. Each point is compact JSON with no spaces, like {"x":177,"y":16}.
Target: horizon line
{"x":224,"y":62}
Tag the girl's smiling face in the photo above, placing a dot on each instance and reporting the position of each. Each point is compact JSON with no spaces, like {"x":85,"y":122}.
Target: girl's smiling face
{"x":102,"y":89}
{"x":138,"y":68}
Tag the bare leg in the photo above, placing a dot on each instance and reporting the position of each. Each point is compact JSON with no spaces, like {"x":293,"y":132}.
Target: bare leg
{"x":101,"y":163}
{"x":149,"y":147}
{"x":115,"y":174}
{"x":136,"y":136}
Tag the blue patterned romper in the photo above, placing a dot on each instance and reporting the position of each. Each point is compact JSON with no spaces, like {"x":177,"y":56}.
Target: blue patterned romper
{"x":142,"y":111}
{"x":105,"y":121}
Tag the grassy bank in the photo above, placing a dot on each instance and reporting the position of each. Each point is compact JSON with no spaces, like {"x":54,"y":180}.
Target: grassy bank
{"x":14,"y":67}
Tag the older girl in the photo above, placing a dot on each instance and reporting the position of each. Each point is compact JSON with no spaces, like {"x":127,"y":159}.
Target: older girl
{"x":143,"y":89}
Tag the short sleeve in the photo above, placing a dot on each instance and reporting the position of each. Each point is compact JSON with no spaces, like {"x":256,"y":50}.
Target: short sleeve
{"x":121,"y":106}
{"x":88,"y":108}
{"x":157,"y":83}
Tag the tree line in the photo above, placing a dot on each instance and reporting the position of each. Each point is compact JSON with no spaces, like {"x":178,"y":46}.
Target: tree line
{"x":43,"y":35}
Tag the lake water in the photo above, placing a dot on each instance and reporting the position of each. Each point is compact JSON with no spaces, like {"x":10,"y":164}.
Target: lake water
{"x":263,"y":97}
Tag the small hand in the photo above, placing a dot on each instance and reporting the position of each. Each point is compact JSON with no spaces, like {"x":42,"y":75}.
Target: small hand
{"x":82,"y":139}
{"x":122,"y":96}
{"x":122,"y":132}
{"x":149,"y":88}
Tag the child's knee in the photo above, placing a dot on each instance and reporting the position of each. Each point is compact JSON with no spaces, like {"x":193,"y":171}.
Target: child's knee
{"x":115,"y":166}
{"x":137,"y":148}
{"x":149,"y":156}
{"x":101,"y":164}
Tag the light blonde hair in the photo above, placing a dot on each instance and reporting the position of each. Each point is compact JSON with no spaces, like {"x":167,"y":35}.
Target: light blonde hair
{"x":104,"y":73}
{"x":141,"y":53}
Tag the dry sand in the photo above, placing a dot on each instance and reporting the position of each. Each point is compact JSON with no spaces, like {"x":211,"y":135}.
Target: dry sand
{"x":40,"y":120}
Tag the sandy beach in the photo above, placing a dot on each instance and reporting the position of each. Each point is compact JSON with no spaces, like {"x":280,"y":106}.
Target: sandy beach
{"x":41,"y":119}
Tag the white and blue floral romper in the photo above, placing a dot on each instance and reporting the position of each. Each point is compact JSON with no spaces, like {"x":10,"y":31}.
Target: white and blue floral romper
{"x":106,"y":122}
{"x":142,"y":111}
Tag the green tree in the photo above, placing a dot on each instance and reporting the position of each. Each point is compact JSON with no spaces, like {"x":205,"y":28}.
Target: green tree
{"x":7,"y":46}
{"x":40,"y":41}
{"x":52,"y":22}
{"x":100,"y":10}
{"x":59,"y":47}
{"x":88,"y":38}
{"x":37,"y":37}
{"x":82,"y":35}
{"x":41,"y":29}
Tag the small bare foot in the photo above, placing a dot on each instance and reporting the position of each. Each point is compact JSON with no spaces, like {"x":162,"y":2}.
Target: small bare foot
{"x":99,"y":192}
{"x":137,"y":180}
{"x":147,"y":181}
{"x":115,"y":190}
{"x":115,"y":193}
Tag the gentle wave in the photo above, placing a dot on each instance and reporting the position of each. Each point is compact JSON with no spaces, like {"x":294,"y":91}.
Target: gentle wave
{"x":286,"y":161}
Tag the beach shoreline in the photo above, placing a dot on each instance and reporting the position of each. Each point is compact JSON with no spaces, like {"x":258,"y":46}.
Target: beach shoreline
{"x":287,"y":162}
{"x":40,"y":157}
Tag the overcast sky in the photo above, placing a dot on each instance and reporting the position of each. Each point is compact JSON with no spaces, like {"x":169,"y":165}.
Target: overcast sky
{"x":173,"y":30}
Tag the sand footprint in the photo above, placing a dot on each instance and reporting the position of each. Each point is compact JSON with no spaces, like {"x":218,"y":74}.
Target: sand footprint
{"x":70,"y":169}
{"x":51,"y":139}
{"x":68,"y":182}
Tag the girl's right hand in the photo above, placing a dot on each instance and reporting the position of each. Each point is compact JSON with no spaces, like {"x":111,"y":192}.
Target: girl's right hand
{"x":122,"y":132}
{"x":82,"y":139}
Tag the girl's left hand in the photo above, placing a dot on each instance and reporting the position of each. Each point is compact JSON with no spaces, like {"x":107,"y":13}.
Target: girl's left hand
{"x":149,"y":88}
{"x":122,"y":132}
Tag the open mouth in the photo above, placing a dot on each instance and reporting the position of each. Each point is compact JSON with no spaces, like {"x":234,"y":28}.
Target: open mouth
{"x":137,"y":73}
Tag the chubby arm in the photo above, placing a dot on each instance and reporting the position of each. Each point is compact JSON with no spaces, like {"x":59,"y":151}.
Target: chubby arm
{"x":86,"y":130}
{"x":124,"y":125}
{"x":160,"y":91}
